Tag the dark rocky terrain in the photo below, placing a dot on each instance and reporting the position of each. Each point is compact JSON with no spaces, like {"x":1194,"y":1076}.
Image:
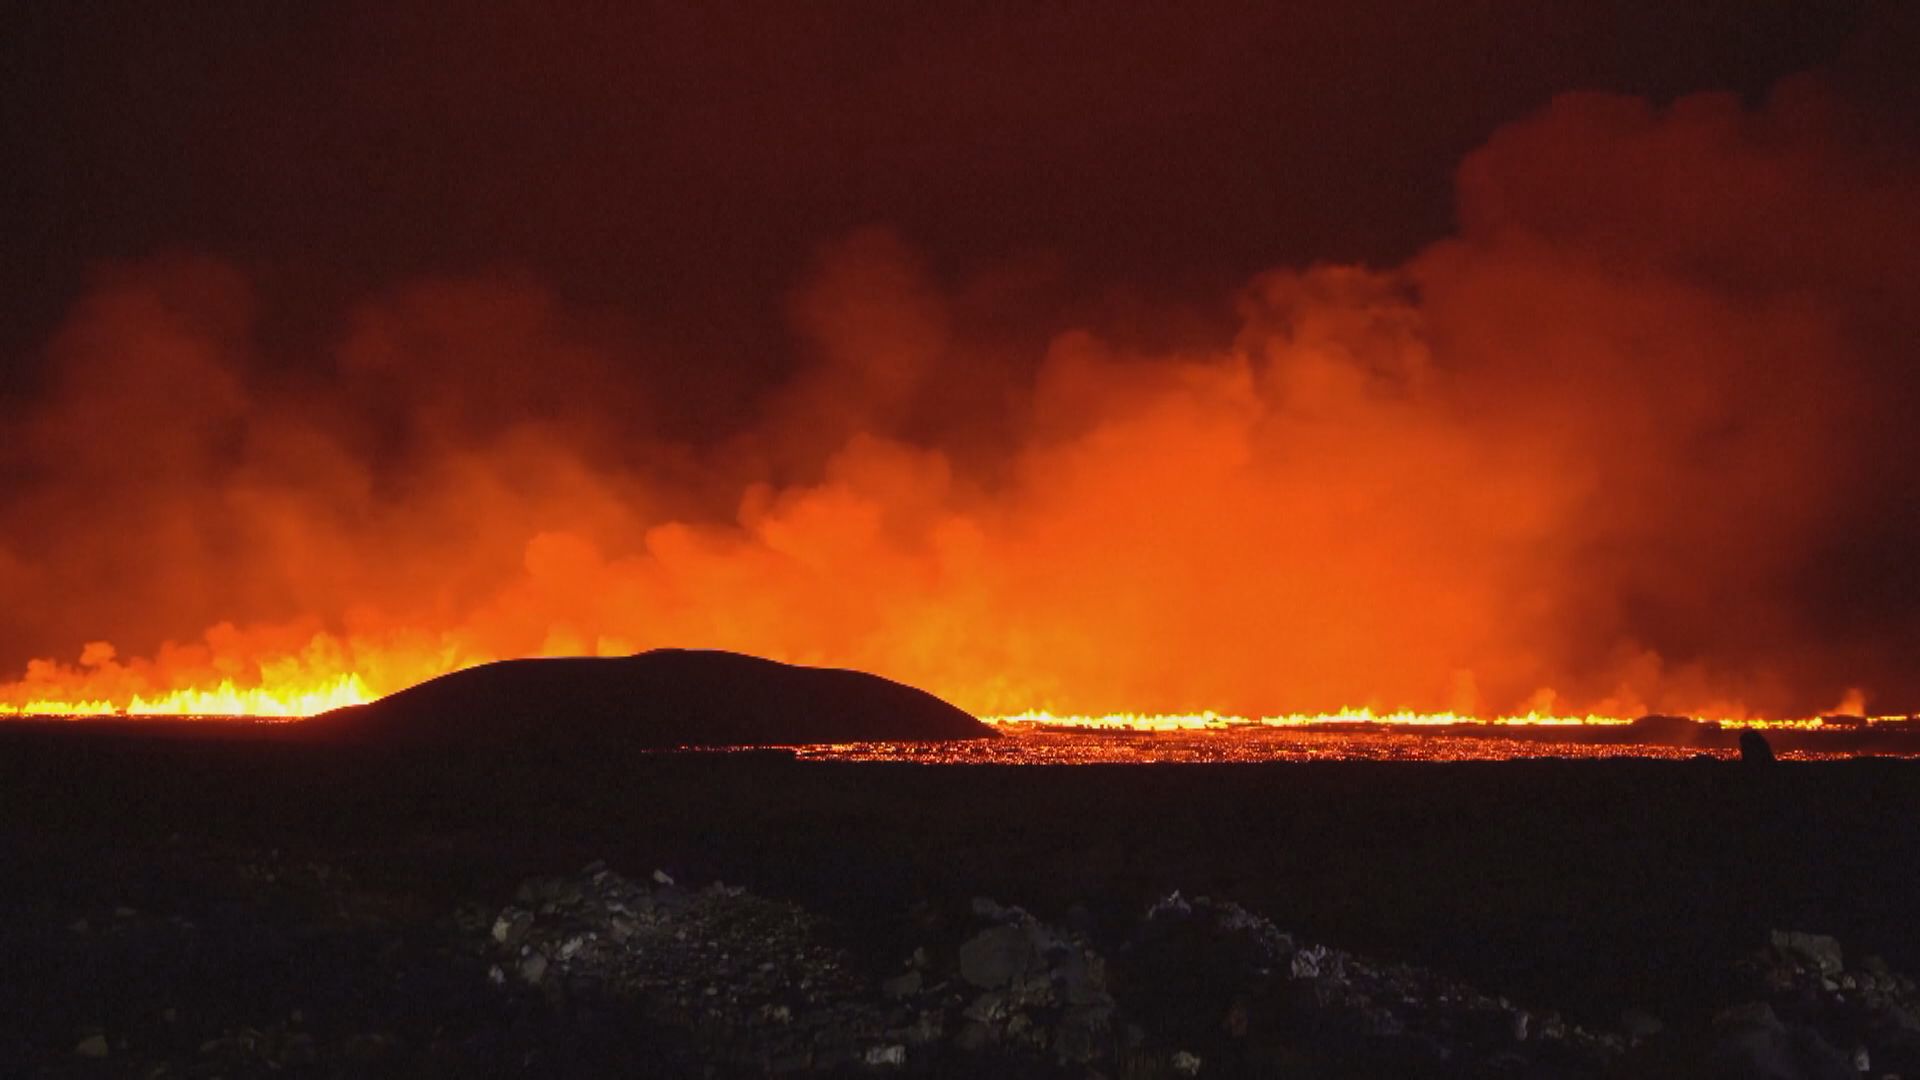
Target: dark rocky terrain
{"x":214,"y":901}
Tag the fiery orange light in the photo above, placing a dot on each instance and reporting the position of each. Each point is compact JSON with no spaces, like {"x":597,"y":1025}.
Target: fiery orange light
{"x":229,"y":700}
{"x":1212,"y":721}
{"x":281,"y":687}
{"x":303,"y":695}
{"x":1494,"y":484}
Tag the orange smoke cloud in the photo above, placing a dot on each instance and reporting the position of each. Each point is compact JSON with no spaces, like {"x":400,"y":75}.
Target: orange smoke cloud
{"x":1609,"y":449}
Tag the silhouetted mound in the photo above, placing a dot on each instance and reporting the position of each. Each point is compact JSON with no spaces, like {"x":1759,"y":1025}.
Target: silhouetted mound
{"x":663,"y":698}
{"x":1754,"y":749}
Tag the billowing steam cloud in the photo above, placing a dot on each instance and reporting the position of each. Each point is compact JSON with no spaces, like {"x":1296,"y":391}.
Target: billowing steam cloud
{"x":1639,"y":437}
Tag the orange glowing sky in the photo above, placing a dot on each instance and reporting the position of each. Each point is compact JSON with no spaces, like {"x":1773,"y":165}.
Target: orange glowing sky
{"x":1631,"y":435}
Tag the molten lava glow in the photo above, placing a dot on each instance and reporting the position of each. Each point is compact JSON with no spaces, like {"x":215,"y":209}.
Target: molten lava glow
{"x":1044,"y":746}
{"x":299,"y":698}
{"x":1526,"y":477}
{"x":229,"y":700}
{"x":1212,"y":721}
{"x":226,"y":699}
{"x":295,"y":693}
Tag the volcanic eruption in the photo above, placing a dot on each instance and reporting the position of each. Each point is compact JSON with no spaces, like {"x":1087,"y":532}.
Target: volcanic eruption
{"x":1222,"y":538}
{"x":1631,"y":438}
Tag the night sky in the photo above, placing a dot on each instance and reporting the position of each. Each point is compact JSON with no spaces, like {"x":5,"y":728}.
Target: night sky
{"x":683,"y":168}
{"x":333,"y":317}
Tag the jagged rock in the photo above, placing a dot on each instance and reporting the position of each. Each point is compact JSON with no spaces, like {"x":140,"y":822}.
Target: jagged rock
{"x":1871,"y":1008}
{"x":995,"y":957}
{"x":1083,"y":1034}
{"x":1226,"y":984}
{"x":929,"y":1025}
{"x":714,"y":978}
{"x":1033,"y":989}
{"x":988,"y":1007}
{"x":986,"y":907}
{"x":1306,"y":962}
{"x":902,"y":986}
{"x":1818,"y":951}
{"x":1082,"y":978}
{"x":753,"y":989}
{"x":974,"y":1037}
{"x":511,"y":926}
{"x":533,"y":968}
{"x":1751,"y":1041}
{"x":745,"y":977}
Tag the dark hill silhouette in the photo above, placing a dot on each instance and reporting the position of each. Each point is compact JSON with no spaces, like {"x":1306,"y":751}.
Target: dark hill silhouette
{"x":662,"y":698}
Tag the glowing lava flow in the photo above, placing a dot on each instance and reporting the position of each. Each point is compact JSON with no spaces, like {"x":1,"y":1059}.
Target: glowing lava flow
{"x":1212,"y":721}
{"x":229,"y":700}
{"x":292,"y":702}
{"x":225,"y":699}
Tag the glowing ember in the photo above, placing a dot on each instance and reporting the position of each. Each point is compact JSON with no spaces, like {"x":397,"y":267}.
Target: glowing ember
{"x":225,"y":698}
{"x":1034,"y":746}
{"x":303,"y":697}
{"x":320,"y":676}
{"x":1212,"y":721}
{"x":1621,"y":440}
{"x":228,"y":700}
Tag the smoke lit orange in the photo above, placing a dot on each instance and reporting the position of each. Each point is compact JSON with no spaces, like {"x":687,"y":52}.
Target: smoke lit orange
{"x":1531,"y":474}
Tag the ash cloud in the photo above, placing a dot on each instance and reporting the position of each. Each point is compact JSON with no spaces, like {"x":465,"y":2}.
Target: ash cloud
{"x":1634,"y":438}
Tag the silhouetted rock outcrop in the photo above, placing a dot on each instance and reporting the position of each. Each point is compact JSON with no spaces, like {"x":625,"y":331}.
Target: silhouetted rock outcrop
{"x":1666,"y":730}
{"x":1754,"y":749}
{"x":663,"y":698}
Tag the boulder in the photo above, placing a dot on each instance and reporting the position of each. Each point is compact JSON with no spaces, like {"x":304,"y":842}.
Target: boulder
{"x":1751,"y":1042}
{"x":996,"y":956}
{"x":1815,"y":951}
{"x":1754,"y":749}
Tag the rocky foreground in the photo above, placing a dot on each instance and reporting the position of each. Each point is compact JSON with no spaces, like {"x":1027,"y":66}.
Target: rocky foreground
{"x":215,"y":906}
{"x":603,"y":971}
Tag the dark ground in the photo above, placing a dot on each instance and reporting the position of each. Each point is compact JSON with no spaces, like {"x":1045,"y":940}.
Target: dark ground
{"x":1588,"y":887}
